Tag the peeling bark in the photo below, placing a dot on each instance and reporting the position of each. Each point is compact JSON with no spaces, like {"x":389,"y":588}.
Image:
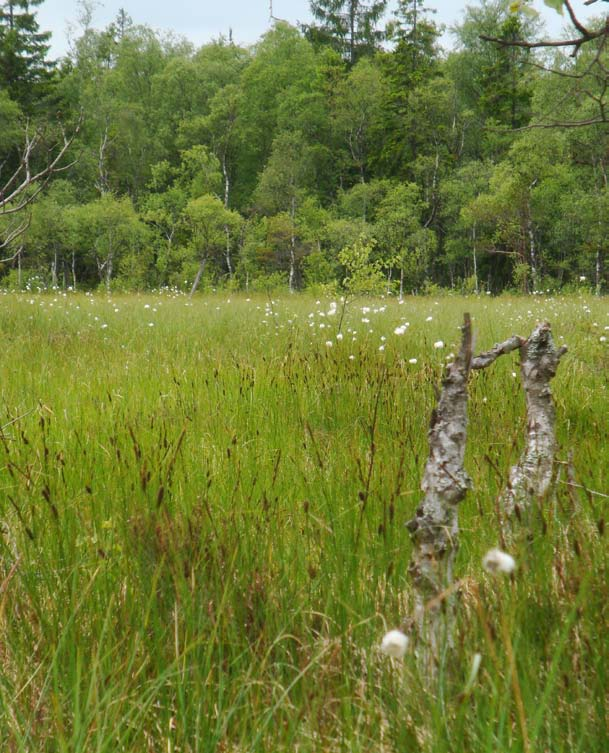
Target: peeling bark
{"x":435,"y":527}
{"x":483,"y":360}
{"x":532,"y":475}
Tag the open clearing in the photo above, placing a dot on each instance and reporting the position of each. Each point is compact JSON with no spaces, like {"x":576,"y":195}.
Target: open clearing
{"x":203,"y":539}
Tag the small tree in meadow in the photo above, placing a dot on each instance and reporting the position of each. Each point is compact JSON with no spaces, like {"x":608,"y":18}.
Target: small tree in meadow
{"x":363,"y":275}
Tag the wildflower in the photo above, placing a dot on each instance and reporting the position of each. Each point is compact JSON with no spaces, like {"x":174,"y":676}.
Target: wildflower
{"x":412,"y":361}
{"x":399,"y":330}
{"x":495,"y":561}
{"x":429,"y":319}
{"x":394,"y":644}
{"x":603,"y":339}
{"x":438,"y":344}
{"x":329,"y":343}
{"x":582,"y":278}
{"x":339,"y":336}
{"x":381,"y":348}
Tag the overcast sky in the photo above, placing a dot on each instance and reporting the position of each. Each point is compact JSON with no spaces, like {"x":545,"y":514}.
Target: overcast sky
{"x":204,"y":20}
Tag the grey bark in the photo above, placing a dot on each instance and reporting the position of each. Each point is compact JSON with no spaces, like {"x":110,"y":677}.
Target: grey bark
{"x":435,"y":527}
{"x":531,"y":477}
{"x":227,"y":256}
{"x":54,"y":272}
{"x":292,"y":275}
{"x":197,"y":279}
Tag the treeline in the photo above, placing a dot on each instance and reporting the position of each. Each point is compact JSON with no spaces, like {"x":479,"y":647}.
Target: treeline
{"x":265,"y":166}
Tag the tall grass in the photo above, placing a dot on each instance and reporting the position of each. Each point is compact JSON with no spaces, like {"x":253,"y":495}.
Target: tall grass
{"x":203,"y":541}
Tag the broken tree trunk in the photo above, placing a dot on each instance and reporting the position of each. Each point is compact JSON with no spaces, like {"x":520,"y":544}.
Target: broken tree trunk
{"x":530,"y":478}
{"x":435,"y":527}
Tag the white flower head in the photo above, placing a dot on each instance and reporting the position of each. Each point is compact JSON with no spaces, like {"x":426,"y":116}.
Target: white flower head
{"x":438,"y":344}
{"x":496,"y":562}
{"x":329,"y":343}
{"x":412,"y":360}
{"x":394,"y":644}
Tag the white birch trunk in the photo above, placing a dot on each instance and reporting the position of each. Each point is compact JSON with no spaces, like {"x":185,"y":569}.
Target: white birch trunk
{"x":197,"y":279}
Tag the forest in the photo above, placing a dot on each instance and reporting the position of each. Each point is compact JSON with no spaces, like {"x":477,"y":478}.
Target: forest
{"x":354,"y":148}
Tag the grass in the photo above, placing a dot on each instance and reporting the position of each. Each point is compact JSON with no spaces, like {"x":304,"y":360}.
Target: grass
{"x":203,"y":540}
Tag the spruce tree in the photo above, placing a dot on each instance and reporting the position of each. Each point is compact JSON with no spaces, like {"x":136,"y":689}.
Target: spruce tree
{"x":505,"y":86}
{"x":25,"y":71}
{"x":413,"y":61}
{"x":350,"y":26}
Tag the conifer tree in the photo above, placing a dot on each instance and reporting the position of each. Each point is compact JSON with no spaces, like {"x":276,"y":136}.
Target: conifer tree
{"x":350,"y":26}
{"x":25,"y":71}
{"x":414,"y":60}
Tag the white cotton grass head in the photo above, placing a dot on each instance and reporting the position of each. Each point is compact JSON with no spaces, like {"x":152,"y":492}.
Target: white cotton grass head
{"x":394,"y":644}
{"x":497,"y":562}
{"x":438,"y":344}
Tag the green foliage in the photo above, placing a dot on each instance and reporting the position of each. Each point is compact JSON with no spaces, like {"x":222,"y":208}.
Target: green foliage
{"x":182,"y":506}
{"x":349,"y":26}
{"x":25,"y":71}
{"x":319,"y":139}
{"x":363,"y":275}
{"x":10,"y":133}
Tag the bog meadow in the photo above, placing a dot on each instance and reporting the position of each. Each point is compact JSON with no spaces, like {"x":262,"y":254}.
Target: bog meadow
{"x":304,"y":357}
{"x":203,"y":533}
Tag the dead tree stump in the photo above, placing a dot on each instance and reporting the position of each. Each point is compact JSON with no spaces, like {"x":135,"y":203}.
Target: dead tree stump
{"x":531,"y":477}
{"x":435,"y":527}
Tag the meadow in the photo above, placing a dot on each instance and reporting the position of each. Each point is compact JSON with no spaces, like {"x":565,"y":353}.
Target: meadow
{"x":202,"y":528}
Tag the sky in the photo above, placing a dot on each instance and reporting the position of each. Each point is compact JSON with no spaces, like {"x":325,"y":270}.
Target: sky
{"x":204,"y":20}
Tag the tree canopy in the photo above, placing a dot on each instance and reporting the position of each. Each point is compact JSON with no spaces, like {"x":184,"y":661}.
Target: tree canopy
{"x":269,"y":164}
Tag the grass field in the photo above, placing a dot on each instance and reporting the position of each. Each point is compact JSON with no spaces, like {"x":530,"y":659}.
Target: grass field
{"x":203,"y":532}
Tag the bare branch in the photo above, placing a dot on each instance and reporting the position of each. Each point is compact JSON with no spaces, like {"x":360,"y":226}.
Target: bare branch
{"x":13,"y":233}
{"x":564,"y":124}
{"x":575,"y":21}
{"x":41,"y":178}
{"x":26,"y":183}
{"x":484,"y":360}
{"x":9,"y":259}
{"x":576,"y":42}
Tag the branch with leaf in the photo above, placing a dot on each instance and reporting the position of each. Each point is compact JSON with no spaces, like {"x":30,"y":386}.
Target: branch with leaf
{"x":587,"y":35}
